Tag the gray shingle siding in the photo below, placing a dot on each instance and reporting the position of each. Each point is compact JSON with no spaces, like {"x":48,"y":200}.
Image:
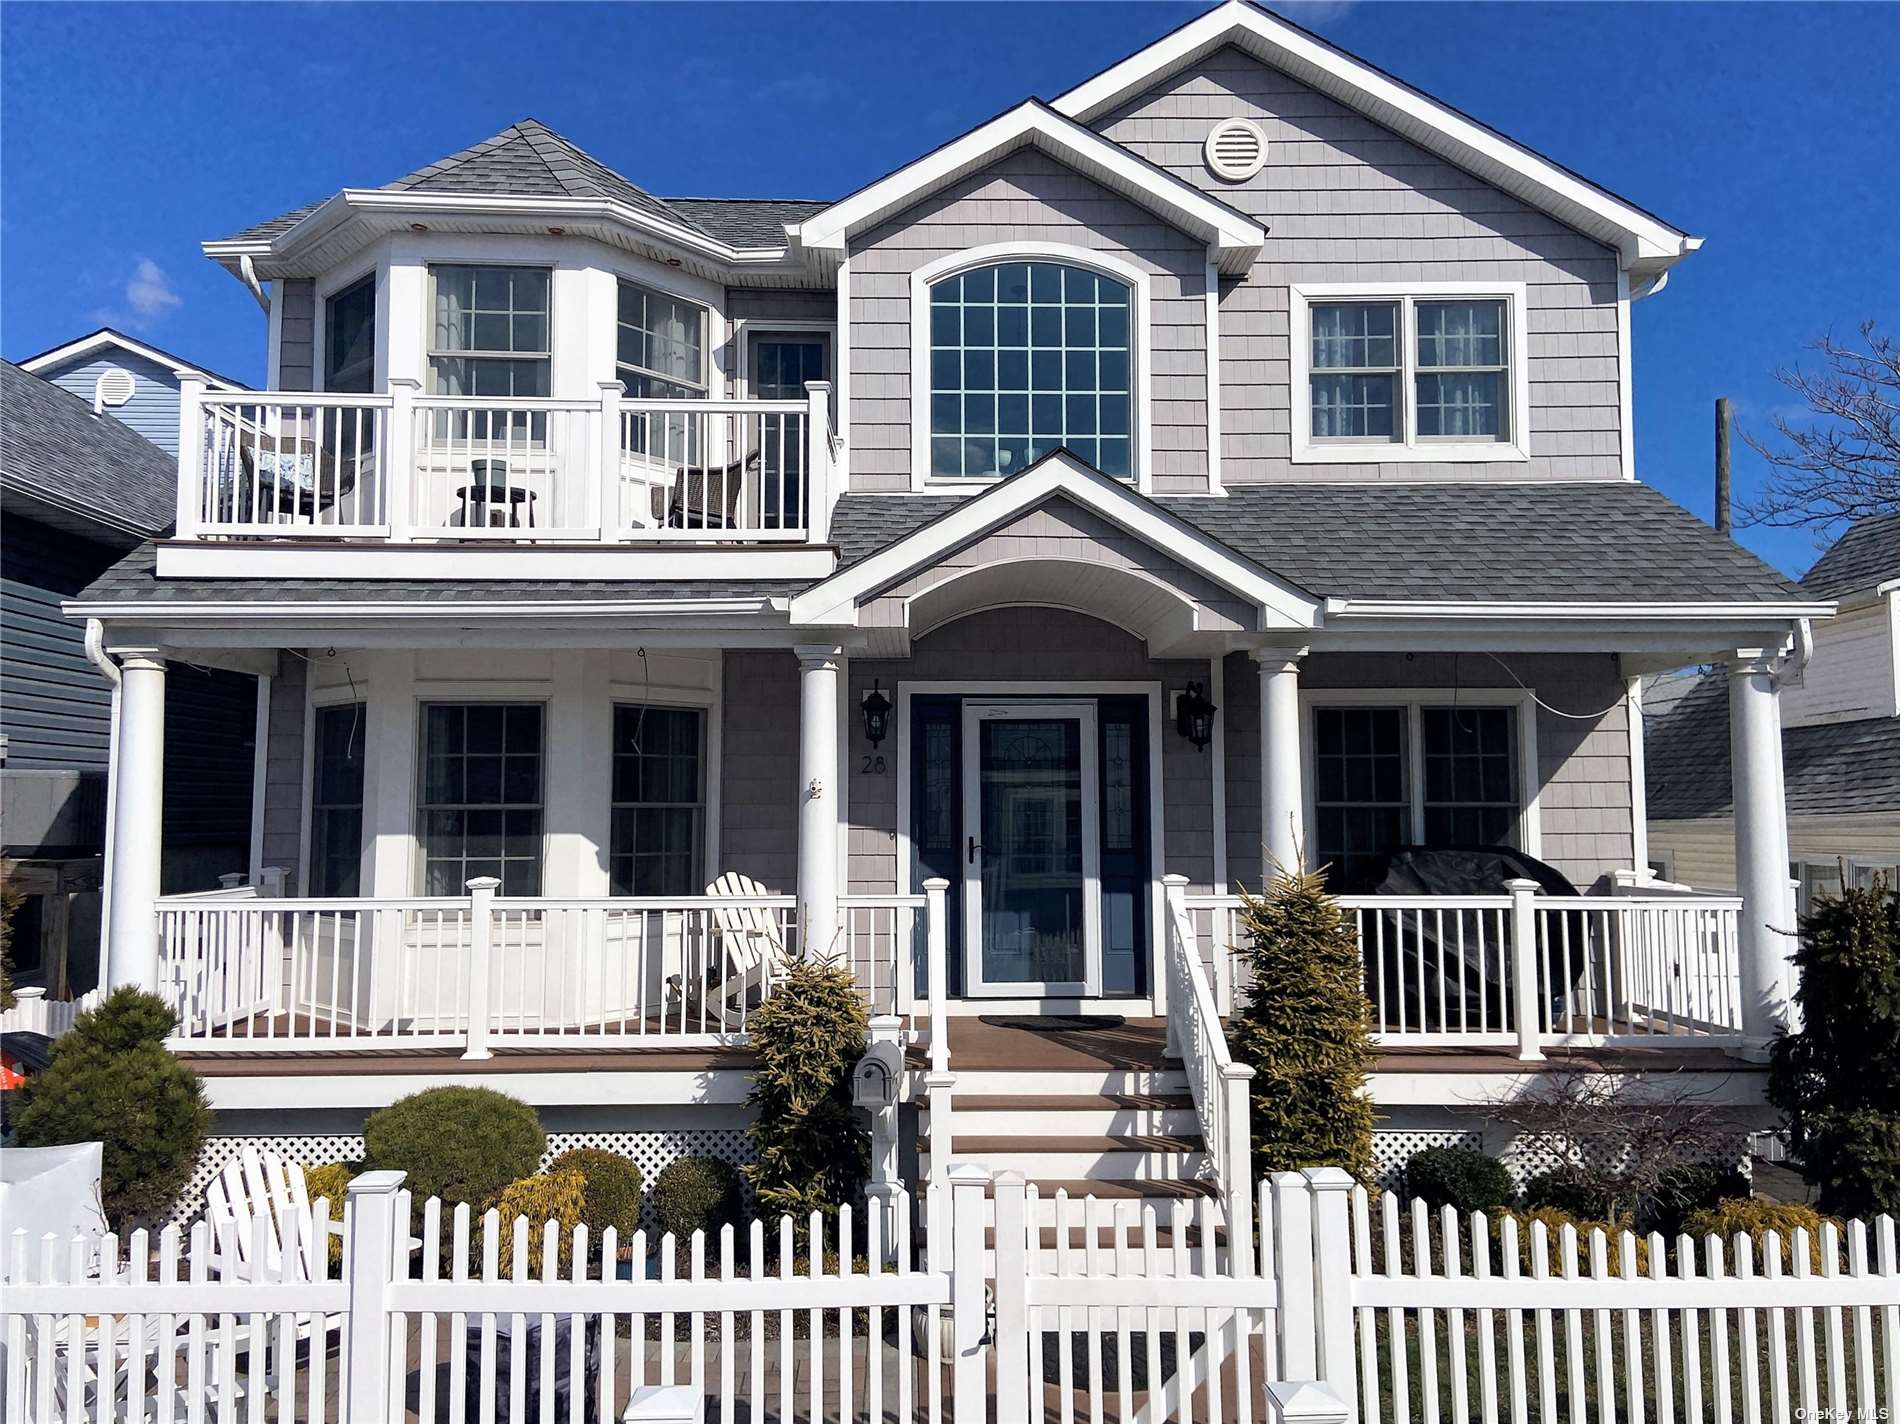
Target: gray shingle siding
{"x":1025,"y":196}
{"x":759,"y":796}
{"x":1348,"y":201}
{"x":297,"y":335}
{"x":283,"y":768}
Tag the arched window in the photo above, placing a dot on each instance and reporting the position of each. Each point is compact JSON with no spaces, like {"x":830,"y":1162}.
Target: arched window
{"x":1026,"y":357}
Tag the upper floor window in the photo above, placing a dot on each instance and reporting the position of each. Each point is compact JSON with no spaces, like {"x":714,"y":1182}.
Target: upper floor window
{"x":662,"y":345}
{"x":1025,"y":358}
{"x":349,"y":338}
{"x":1435,"y":376}
{"x":490,"y":334}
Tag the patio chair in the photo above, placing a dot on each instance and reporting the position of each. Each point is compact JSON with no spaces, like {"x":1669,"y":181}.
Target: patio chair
{"x":706,"y":496}
{"x":281,"y":476}
{"x":746,"y":942}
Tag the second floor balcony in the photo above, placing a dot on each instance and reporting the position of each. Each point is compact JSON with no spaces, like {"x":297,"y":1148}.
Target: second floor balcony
{"x":403,"y":468}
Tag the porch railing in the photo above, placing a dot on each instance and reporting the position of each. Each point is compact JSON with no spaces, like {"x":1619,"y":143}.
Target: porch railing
{"x":483,"y":972}
{"x":1527,"y":970}
{"x":1217,"y":1084}
{"x":406,"y":468}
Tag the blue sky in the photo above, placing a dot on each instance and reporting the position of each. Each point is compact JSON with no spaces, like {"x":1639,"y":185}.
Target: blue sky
{"x":130,"y":132}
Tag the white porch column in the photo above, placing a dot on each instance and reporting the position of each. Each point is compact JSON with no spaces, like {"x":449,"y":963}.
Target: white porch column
{"x":137,"y":822}
{"x":818,"y":786}
{"x":1761,"y":846}
{"x":1282,"y":796}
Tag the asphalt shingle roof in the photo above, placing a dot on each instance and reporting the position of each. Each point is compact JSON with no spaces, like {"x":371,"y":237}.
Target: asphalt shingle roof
{"x":56,"y":453}
{"x":1611,"y":540}
{"x":1837,"y":768}
{"x":134,"y":579}
{"x":1866,"y":555}
{"x":529,"y":159}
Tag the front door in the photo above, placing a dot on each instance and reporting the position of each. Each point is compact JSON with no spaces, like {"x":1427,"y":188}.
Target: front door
{"x":781,"y":365}
{"x":1032,"y":851}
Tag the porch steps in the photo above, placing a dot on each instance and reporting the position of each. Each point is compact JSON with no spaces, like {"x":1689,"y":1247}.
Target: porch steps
{"x":1079,"y":1157}
{"x":1111,"y":1114}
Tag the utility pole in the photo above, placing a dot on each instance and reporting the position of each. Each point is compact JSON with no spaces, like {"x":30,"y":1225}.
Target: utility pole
{"x":1722,"y":523}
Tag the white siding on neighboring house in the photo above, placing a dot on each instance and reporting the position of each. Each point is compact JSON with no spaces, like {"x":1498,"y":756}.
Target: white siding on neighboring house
{"x":1348,"y":201}
{"x":1027,"y":196}
{"x":1852,"y":673}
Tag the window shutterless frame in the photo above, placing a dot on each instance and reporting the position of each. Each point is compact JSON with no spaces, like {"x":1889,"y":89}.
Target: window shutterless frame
{"x":1442,"y":358}
{"x":659,"y":788}
{"x":521,"y":322}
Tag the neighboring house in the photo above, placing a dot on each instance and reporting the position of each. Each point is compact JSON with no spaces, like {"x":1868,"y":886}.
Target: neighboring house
{"x":1227,"y":464}
{"x":79,"y":490}
{"x":125,"y":377}
{"x":1840,"y":738}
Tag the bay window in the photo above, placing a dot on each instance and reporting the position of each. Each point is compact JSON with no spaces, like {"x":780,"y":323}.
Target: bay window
{"x":659,"y":801}
{"x":660,"y":355}
{"x":1381,"y":374}
{"x":1414,"y":773}
{"x":490,"y":333}
{"x":479,"y":800}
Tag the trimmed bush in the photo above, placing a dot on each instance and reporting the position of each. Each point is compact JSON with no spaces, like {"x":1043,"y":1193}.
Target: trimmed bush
{"x":1459,"y":1177}
{"x":459,"y":1144}
{"x":541,"y":1198}
{"x":1693,"y":1187}
{"x":814,"y":1152}
{"x":330,"y":1181}
{"x":1755,"y":1219}
{"x":1306,"y":1030}
{"x":697,"y":1194}
{"x":112,"y":1080}
{"x":611,"y":1187}
{"x":1837,"y":1082}
{"x":1580,"y":1194}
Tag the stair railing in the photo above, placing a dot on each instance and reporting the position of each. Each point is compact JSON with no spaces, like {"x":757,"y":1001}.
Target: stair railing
{"x":1219,"y":1085}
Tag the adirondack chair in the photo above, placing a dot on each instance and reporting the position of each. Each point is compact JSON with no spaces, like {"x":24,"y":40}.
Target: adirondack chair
{"x":746,"y":942}
{"x":261,"y":1184}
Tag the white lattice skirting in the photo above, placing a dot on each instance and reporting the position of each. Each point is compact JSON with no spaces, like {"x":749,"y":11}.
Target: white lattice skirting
{"x":651,"y":1151}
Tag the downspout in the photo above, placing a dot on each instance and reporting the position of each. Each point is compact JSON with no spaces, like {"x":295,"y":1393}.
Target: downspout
{"x":109,"y":669}
{"x":1788,"y":673}
{"x":247,"y":271}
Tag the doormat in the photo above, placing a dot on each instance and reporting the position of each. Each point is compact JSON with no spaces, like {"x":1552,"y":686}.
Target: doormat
{"x":1049,"y":1023}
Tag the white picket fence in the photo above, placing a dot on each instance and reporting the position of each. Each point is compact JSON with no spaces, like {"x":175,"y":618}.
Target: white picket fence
{"x":1317,"y":1303}
{"x":33,"y":1012}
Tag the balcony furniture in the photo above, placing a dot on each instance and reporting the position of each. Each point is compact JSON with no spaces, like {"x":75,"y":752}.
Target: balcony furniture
{"x":739,"y":963}
{"x":486,"y":506}
{"x":261,"y":1184}
{"x":281,"y":476}
{"x":706,"y":496}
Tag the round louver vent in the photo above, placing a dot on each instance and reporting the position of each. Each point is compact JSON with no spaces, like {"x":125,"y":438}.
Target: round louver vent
{"x":1236,"y":150}
{"x":113,"y":388}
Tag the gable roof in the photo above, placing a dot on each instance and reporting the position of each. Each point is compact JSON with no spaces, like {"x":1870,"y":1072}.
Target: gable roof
{"x":1236,"y":237}
{"x":1866,"y":556}
{"x":748,"y":222}
{"x":107,"y":338}
{"x":1835,"y":768}
{"x":89,"y":474}
{"x":1608,"y":541}
{"x":1648,"y":245}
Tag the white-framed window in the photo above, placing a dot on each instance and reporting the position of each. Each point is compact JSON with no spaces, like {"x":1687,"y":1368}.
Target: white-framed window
{"x":1383,"y":372}
{"x":1392,"y":769}
{"x":479,"y":795}
{"x":336,"y":798}
{"x":349,"y":337}
{"x":661,"y":350}
{"x":657,"y":836}
{"x":489,"y":330}
{"x":1022,"y":349}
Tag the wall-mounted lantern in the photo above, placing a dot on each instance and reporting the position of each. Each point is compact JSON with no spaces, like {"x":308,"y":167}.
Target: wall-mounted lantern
{"x":1194,"y":716}
{"x":876,"y":711}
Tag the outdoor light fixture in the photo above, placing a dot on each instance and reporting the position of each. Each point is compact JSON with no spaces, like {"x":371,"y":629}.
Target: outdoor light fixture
{"x":876,"y":710}
{"x":1194,"y":716}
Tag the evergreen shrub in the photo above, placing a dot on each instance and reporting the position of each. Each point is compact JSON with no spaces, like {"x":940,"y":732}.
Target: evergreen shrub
{"x":1459,"y":1177}
{"x":698,"y":1194}
{"x":457,"y":1143}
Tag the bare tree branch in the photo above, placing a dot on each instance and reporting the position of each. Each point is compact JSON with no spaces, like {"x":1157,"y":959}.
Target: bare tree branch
{"x":1844,"y":464}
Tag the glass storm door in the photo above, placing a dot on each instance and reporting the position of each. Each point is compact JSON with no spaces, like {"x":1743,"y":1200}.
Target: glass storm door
{"x":1031,"y":887}
{"x":781,"y":365}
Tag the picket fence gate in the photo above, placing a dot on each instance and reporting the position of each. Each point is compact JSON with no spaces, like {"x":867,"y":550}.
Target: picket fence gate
{"x":1311,"y":1303}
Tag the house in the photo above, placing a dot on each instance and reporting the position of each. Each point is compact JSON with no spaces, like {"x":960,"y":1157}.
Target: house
{"x":978,"y":576}
{"x":1840,"y":737}
{"x":80,"y":490}
{"x":125,"y":377}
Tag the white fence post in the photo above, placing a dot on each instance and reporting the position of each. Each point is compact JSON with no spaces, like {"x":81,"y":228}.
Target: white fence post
{"x":1304,"y":1402}
{"x":1293,"y":1254}
{"x":271,"y":880}
{"x":1330,"y":1190}
{"x":481,"y":930}
{"x":1236,"y":1085}
{"x":608,"y":516}
{"x":371,"y":1232}
{"x":969,"y":1189}
{"x":399,"y":459}
{"x":818,"y":473}
{"x":940,"y":1082}
{"x":1010,"y":1333}
{"x":1524,"y":975}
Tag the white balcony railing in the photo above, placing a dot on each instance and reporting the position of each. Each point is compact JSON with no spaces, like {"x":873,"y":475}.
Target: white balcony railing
{"x":406,"y":468}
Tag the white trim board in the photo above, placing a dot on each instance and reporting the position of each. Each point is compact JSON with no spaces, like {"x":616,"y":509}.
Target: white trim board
{"x":1140,"y":360}
{"x":1647,"y":245}
{"x":106,"y":337}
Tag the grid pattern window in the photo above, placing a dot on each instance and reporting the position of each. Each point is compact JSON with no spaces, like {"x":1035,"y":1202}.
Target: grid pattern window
{"x":336,"y":801}
{"x":349,"y":339}
{"x":489,"y":337}
{"x":1025,"y":358}
{"x":1360,"y":807}
{"x":1355,"y":371}
{"x":938,"y":824}
{"x":661,"y":355}
{"x":1118,"y":787}
{"x":1463,"y":392}
{"x":1471,"y":793}
{"x":659,"y":801}
{"x":479,"y":805}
